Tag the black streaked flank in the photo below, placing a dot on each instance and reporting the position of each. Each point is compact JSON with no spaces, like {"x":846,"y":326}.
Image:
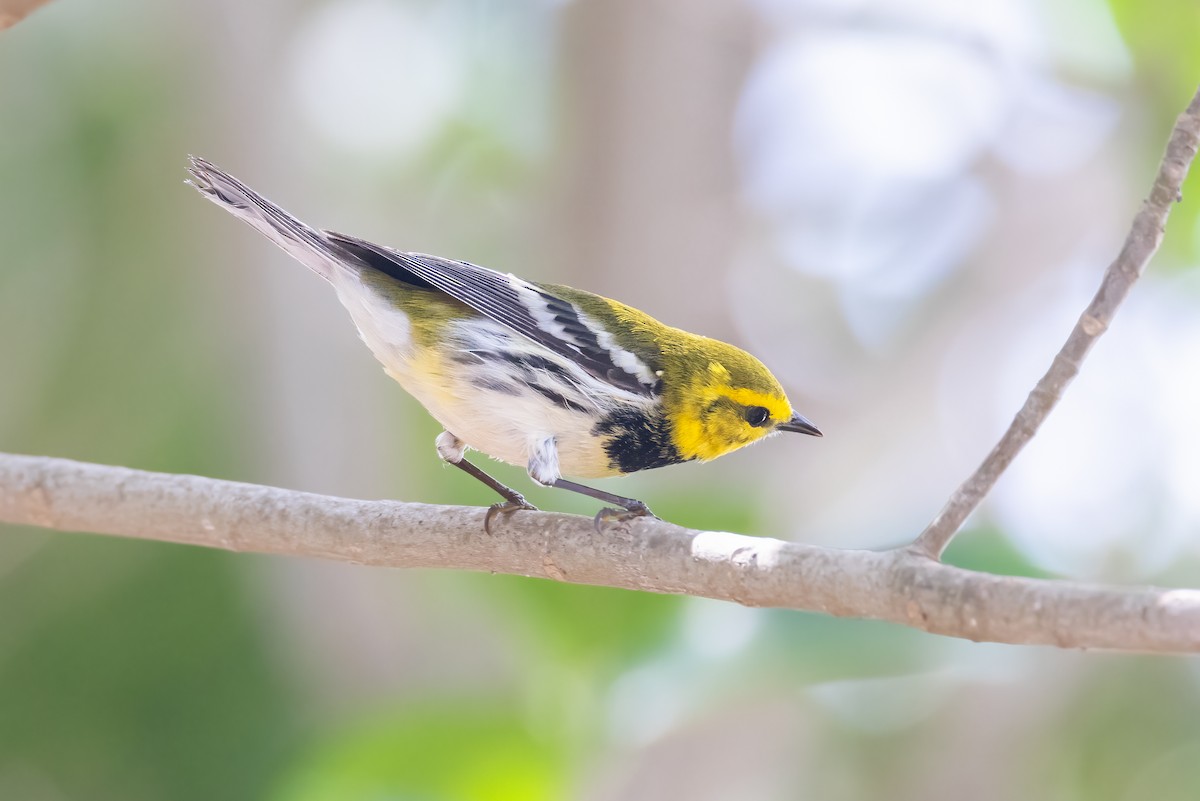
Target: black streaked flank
{"x":477,"y":355}
{"x":527,"y":362}
{"x":542,"y":363}
{"x":558,"y":399}
{"x":496,"y":385}
{"x":531,"y":366}
{"x":635,"y":441}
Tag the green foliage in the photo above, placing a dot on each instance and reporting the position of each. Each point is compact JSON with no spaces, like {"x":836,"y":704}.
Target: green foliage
{"x":128,"y":671}
{"x":811,"y":648}
{"x":597,"y":629}
{"x":1113,"y":743}
{"x":989,"y":550}
{"x":1164,"y":39}
{"x":444,"y":749}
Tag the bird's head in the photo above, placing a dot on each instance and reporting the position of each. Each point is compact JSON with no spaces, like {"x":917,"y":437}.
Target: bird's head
{"x":725,"y":399}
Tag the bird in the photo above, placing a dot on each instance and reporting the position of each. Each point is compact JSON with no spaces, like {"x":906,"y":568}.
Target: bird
{"x":558,"y":381}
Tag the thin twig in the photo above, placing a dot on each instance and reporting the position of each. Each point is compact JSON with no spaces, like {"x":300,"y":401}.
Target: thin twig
{"x":1141,"y":244}
{"x":649,"y":555}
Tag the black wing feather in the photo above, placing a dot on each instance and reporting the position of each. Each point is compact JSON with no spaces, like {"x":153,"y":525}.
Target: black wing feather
{"x":492,"y":294}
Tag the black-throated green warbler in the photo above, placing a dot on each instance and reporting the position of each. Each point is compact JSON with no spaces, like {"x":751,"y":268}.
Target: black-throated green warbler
{"x":549,"y":378}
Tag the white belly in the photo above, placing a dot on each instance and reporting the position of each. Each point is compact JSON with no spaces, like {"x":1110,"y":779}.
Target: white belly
{"x":508,"y":427}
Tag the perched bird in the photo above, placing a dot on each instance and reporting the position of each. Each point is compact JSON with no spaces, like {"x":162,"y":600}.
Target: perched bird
{"x":553,"y":379}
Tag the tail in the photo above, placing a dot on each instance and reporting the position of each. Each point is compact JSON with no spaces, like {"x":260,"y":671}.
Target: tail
{"x":307,"y":245}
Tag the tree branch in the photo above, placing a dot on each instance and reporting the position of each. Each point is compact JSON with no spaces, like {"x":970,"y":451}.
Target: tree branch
{"x":1141,"y":244}
{"x":901,"y":585}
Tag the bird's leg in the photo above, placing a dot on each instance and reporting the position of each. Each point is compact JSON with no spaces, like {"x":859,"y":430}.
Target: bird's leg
{"x":630,"y":507}
{"x":450,"y":448}
{"x":543,"y":468}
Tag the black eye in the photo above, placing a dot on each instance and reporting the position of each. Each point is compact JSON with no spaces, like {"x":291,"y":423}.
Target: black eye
{"x":757,"y":416}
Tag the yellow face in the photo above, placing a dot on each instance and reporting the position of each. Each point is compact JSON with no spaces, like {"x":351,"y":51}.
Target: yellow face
{"x":714,"y":417}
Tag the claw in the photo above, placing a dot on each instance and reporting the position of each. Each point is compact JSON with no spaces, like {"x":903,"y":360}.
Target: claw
{"x":514,"y":504}
{"x":620,"y":517}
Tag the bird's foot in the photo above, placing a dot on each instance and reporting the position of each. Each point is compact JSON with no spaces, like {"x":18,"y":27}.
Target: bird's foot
{"x":620,"y":517}
{"x":516,"y":503}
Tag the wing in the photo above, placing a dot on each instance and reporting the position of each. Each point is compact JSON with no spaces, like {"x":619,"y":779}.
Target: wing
{"x":551,"y":321}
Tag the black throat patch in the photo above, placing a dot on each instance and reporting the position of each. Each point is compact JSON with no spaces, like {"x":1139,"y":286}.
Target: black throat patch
{"x":635,"y":441}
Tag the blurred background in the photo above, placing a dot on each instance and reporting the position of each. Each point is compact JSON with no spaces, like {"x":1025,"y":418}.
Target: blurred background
{"x":900,"y":206}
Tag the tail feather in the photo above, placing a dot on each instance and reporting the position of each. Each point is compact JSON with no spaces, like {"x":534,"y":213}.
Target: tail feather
{"x":377,"y":257}
{"x":305,"y":244}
